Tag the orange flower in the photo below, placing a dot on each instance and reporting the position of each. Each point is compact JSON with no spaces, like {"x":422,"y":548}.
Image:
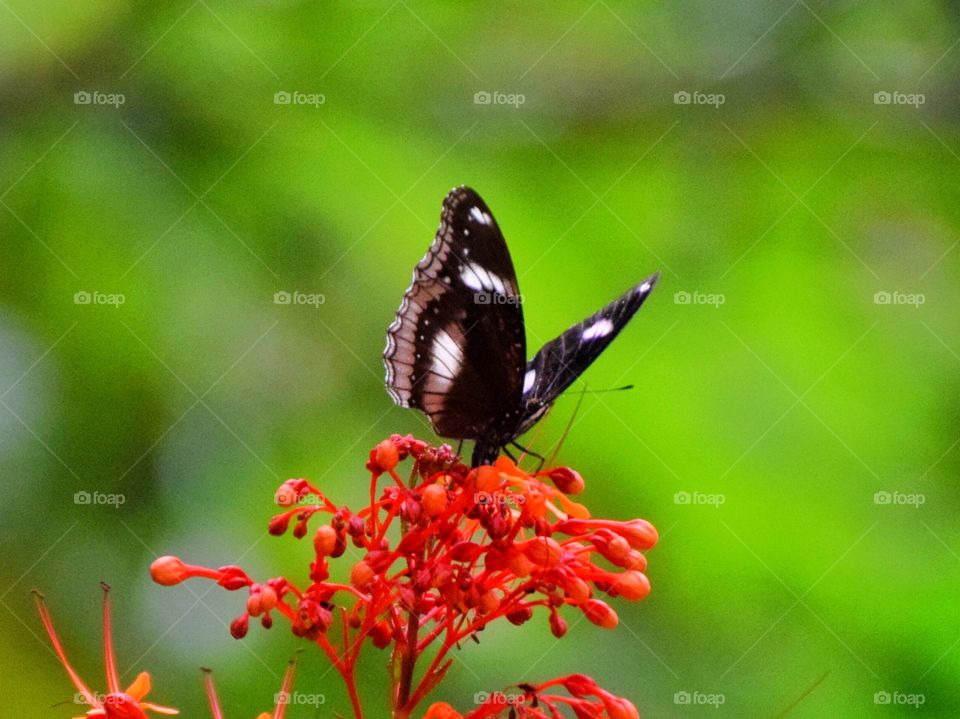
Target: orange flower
{"x":116,"y":704}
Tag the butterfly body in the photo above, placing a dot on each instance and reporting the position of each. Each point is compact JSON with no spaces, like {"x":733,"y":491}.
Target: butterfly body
{"x":457,"y":347}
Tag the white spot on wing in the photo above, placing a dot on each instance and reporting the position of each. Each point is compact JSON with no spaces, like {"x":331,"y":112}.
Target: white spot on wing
{"x":480,"y":216}
{"x":600,"y":328}
{"x":470,"y":278}
{"x":645,"y":287}
{"x":528,"y":379}
{"x":477,"y":278}
{"x":447,"y":355}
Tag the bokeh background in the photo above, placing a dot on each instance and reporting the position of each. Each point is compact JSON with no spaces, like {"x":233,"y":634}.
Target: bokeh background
{"x":800,"y":356}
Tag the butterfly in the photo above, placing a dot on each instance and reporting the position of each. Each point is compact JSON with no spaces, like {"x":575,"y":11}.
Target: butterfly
{"x":457,"y":347}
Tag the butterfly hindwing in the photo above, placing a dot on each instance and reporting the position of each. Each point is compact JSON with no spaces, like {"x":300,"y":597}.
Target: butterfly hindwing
{"x":561,"y":360}
{"x":456,"y":349}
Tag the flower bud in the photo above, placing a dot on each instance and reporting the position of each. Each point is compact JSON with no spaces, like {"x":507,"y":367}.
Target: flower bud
{"x":325,"y":540}
{"x":600,"y":613}
{"x":635,"y":560}
{"x":579,"y":685}
{"x":261,"y":600}
{"x":286,"y":495}
{"x":543,"y":551}
{"x":410,"y":510}
{"x":621,"y":709}
{"x":380,"y":634}
{"x":233,"y":578}
{"x":613,"y":547}
{"x":566,"y":480}
{"x":279,"y":523}
{"x":361,"y":575}
{"x":356,"y":527}
{"x":558,"y":625}
{"x":520,"y":565}
{"x":386,"y":455}
{"x":239,"y":626}
{"x":169,"y":571}
{"x":520,"y":615}
{"x":632,"y":585}
{"x":434,"y":499}
{"x":639,"y":532}
{"x":576,"y":589}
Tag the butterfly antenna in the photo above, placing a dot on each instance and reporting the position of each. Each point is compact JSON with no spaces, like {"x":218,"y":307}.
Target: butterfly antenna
{"x":604,"y":391}
{"x":566,"y":430}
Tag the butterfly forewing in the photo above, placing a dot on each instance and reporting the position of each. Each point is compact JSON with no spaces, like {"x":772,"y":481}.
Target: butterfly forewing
{"x":456,"y":349}
{"x":561,"y":360}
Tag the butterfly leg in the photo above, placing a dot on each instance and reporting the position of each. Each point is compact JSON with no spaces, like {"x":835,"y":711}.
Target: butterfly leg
{"x":526,"y":450}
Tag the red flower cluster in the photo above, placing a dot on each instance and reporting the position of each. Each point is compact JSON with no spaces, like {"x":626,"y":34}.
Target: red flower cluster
{"x":438,"y":558}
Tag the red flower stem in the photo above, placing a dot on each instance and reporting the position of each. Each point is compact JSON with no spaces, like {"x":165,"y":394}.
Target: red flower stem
{"x":346,"y":672}
{"x":409,"y":662}
{"x":373,"y":503}
{"x":394,"y":508}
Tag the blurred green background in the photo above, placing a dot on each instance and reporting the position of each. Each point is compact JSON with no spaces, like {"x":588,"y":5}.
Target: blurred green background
{"x":800,"y":355}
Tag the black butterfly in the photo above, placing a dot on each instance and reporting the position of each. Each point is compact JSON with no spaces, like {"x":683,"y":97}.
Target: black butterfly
{"x":457,"y":349}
